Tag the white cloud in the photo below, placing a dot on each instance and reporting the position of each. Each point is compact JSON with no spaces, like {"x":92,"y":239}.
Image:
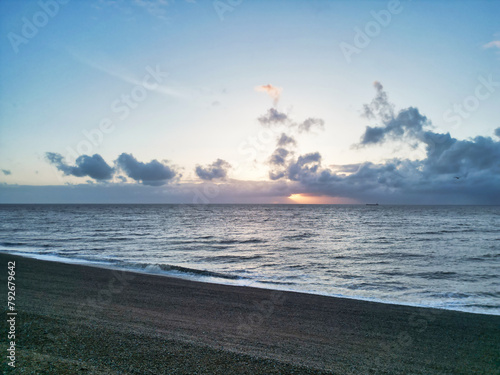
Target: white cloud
{"x":493,"y":44}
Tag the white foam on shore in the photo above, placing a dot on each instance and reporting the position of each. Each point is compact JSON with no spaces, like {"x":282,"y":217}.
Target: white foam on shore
{"x":252,"y":283}
{"x":54,"y":258}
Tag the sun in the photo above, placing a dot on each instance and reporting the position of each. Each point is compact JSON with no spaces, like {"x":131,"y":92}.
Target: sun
{"x":311,"y":199}
{"x":318,"y":199}
{"x":295,"y":198}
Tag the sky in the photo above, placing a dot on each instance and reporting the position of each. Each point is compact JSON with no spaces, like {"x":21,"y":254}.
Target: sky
{"x":239,"y":101}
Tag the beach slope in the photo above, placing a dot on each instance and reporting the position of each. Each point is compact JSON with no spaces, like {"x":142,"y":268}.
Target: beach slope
{"x":81,"y":319}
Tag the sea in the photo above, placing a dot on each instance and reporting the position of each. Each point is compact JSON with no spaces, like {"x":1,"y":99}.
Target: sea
{"x":445,"y":257}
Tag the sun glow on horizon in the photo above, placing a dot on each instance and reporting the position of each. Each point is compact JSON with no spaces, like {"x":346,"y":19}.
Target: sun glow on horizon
{"x":315,"y":199}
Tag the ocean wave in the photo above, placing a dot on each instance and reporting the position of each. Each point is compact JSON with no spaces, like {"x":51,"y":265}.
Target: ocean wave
{"x":183,"y":270}
{"x":427,"y":233}
{"x":13,"y":244}
{"x":481,"y":306}
{"x":231,"y":258}
{"x":397,"y":254}
{"x":234,"y":241}
{"x":392,"y":273}
{"x":483,"y":258}
{"x":300,"y":236}
{"x":298,"y":266}
{"x":437,"y":275}
{"x":276,"y":282}
{"x":450,"y":295}
{"x":386,"y":286}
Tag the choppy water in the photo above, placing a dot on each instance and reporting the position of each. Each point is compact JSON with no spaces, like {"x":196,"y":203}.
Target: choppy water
{"x":439,"y":256}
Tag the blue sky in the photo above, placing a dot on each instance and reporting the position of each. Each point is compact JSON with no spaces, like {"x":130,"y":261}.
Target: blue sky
{"x":68,"y":67}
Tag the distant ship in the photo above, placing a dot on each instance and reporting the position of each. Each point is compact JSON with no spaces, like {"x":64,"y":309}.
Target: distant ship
{"x":372,"y":204}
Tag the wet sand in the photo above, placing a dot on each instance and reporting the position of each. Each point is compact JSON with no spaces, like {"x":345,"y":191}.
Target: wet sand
{"x":80,"y":319}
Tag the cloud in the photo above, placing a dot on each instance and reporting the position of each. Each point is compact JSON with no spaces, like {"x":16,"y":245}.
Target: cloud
{"x":407,"y":123}
{"x":153,"y":173}
{"x":445,"y":154}
{"x":452,"y":172}
{"x":156,"y":84}
{"x":380,"y":106}
{"x":344,"y":169}
{"x":404,"y":181}
{"x":91,"y":166}
{"x":6,"y":172}
{"x":304,"y":167}
{"x":216,"y":170}
{"x":285,"y":140}
{"x":225,"y":192}
{"x":462,"y":157}
{"x":273,"y":117}
{"x":284,"y":165}
{"x":279,"y":157}
{"x":311,"y":123}
{"x":493,"y":44}
{"x":272,"y":91}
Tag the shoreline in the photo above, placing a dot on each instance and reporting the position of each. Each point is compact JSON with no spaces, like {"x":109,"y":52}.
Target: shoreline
{"x":132,"y":322}
{"x":223,"y":281}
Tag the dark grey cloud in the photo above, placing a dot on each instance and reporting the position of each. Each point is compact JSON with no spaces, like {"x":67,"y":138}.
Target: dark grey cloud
{"x":276,"y":174}
{"x":6,"y":172}
{"x":406,"y":124}
{"x":304,"y":167}
{"x":445,"y":155}
{"x":311,"y":123}
{"x":399,"y":182}
{"x":153,"y":173}
{"x":217,"y":170}
{"x":293,"y":169}
{"x":279,"y":156}
{"x":92,"y":166}
{"x":273,"y":117}
{"x":462,"y":157}
{"x":285,"y":140}
{"x":380,"y":107}
{"x":452,"y":172}
{"x":497,"y":132}
{"x":278,"y":162}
